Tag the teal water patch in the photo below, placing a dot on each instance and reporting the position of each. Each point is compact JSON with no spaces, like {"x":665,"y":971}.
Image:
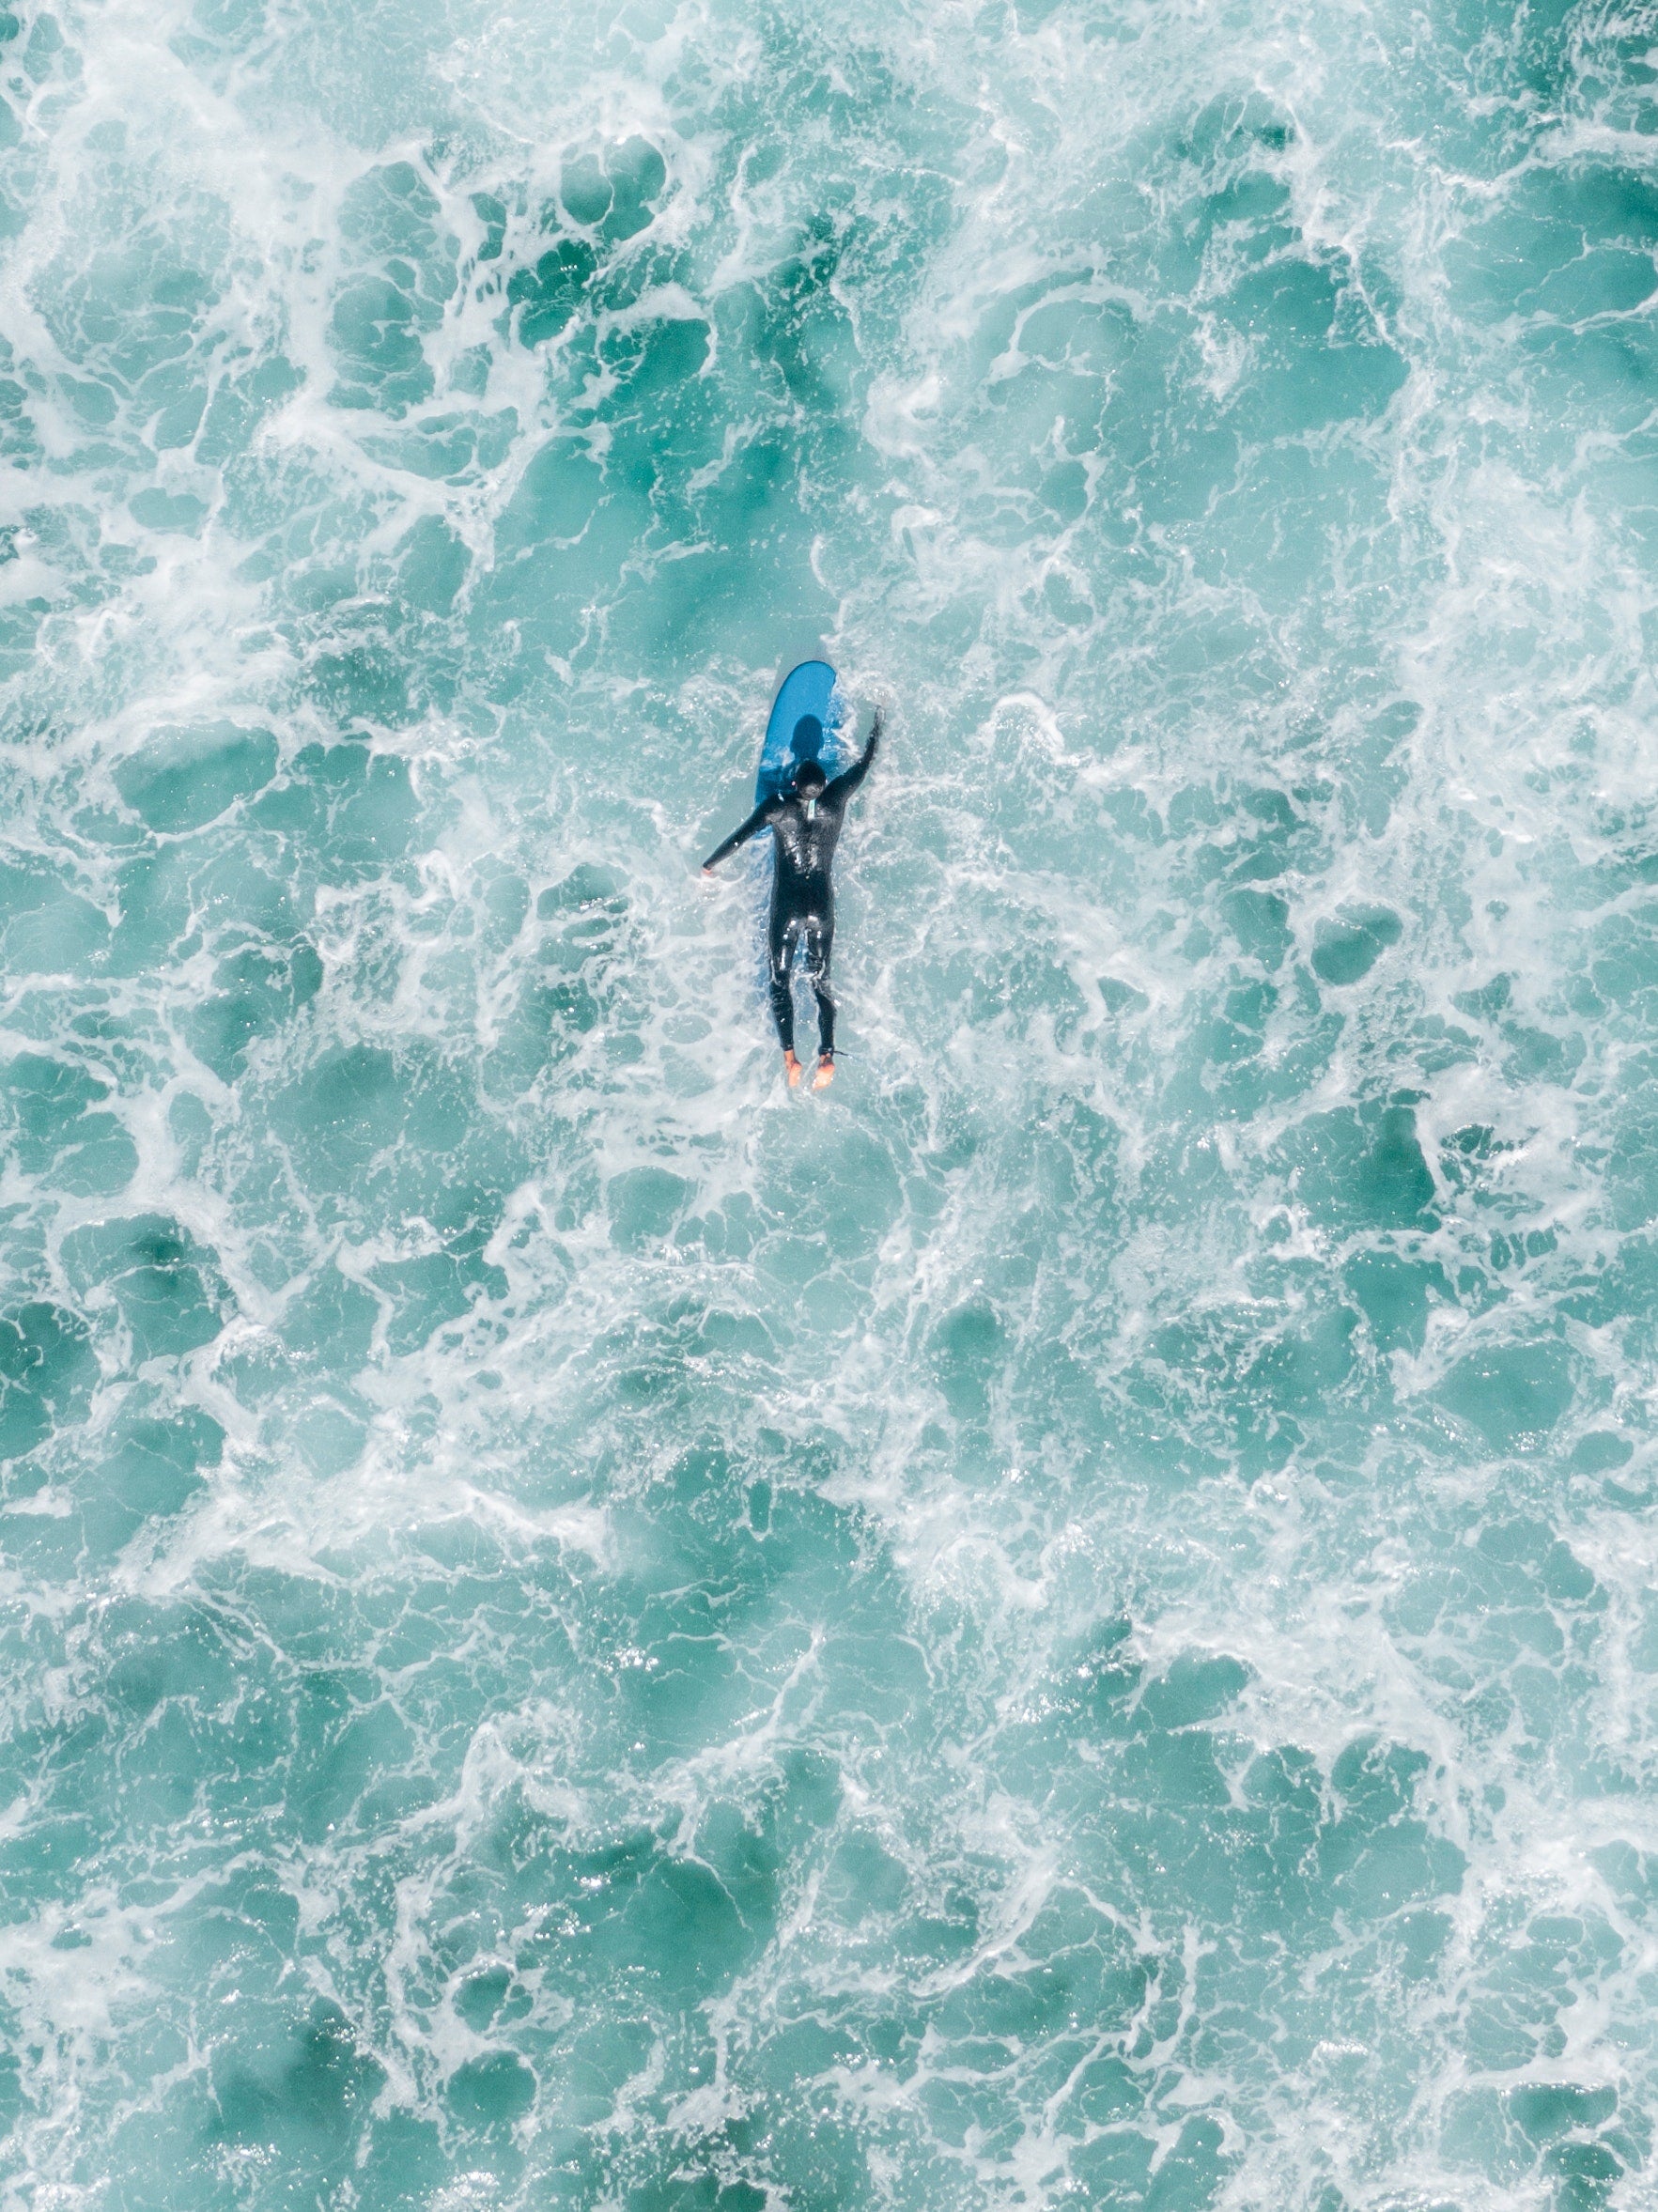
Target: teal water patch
{"x":1067,"y":1622}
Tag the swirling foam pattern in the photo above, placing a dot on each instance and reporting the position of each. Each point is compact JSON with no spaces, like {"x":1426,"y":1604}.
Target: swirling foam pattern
{"x":1071,"y":1624}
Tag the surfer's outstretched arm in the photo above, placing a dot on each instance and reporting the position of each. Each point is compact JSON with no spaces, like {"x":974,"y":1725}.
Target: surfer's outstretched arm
{"x":756,"y":822}
{"x":844,"y":786}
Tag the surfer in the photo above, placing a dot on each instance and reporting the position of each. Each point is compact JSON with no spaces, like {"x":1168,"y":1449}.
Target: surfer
{"x":805,"y":822}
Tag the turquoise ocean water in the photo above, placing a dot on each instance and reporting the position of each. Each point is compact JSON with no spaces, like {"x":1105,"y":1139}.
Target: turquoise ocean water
{"x":1070,"y":1624}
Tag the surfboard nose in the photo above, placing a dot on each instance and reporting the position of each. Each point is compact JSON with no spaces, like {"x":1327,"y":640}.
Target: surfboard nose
{"x":807,"y":723}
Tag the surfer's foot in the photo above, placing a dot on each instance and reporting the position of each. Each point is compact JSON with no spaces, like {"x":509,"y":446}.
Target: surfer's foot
{"x":826,"y":1073}
{"x":791,"y":1068}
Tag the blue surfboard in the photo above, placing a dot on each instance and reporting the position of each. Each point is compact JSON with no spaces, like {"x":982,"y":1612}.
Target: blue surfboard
{"x":809,"y":722}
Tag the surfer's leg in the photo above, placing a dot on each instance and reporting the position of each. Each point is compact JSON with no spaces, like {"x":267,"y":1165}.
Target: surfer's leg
{"x":782,"y":951}
{"x":782,"y":1008}
{"x":820,"y":941}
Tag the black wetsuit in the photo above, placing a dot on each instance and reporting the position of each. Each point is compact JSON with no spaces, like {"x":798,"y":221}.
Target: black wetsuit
{"x":804,"y":831}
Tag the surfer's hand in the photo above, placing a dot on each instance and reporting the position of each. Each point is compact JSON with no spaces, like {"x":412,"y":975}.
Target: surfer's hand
{"x":706,"y":870}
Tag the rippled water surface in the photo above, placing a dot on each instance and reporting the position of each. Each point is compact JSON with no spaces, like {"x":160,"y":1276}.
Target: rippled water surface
{"x":1071,"y":1623}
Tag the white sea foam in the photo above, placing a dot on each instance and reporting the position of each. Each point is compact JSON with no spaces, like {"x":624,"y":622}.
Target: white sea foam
{"x":962,"y":1530}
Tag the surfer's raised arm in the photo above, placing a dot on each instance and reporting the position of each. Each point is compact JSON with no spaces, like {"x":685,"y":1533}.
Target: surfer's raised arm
{"x":756,"y":823}
{"x":844,"y":786}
